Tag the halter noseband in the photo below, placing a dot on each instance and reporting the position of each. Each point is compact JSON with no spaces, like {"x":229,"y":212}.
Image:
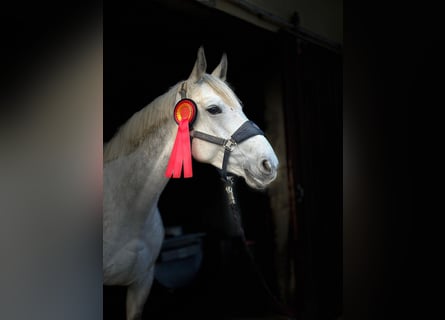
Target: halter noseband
{"x":247,"y":130}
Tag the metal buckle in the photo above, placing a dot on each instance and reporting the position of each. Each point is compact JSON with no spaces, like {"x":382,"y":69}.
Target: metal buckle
{"x":229,"y":144}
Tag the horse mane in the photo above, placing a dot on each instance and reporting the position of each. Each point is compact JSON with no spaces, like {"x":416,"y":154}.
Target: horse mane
{"x":141,"y":124}
{"x":155,"y":115}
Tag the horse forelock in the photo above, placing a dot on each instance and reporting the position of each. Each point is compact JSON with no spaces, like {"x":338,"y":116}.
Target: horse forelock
{"x":222,"y":89}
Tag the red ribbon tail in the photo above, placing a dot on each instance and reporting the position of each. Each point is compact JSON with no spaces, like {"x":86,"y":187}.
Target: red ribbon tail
{"x":172,"y":167}
{"x":181,"y":153}
{"x":187,"y":154}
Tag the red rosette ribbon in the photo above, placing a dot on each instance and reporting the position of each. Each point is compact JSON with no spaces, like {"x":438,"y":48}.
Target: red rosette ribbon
{"x":181,"y":155}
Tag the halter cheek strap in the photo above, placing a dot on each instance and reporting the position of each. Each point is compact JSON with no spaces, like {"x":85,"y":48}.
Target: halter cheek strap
{"x":247,"y":130}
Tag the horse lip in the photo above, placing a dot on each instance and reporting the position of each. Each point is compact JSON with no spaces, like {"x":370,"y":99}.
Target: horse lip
{"x":258,"y":183}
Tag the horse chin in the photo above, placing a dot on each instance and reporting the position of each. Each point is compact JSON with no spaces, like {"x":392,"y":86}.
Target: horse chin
{"x":255,"y":182}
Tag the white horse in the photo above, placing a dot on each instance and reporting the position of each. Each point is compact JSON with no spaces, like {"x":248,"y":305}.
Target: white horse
{"x":135,"y":162}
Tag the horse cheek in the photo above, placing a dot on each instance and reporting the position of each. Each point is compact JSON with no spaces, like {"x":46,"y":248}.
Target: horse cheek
{"x":202,"y":151}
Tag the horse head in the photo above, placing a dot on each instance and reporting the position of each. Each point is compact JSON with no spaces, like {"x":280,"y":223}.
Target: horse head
{"x":222,"y":134}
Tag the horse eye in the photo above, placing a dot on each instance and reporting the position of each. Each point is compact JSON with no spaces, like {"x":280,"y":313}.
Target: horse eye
{"x":214,"y":109}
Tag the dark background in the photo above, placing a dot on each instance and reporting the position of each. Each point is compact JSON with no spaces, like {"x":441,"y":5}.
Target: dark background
{"x":393,"y":67}
{"x":152,"y":46}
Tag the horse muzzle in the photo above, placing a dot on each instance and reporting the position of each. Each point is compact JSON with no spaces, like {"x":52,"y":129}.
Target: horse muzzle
{"x":262,"y":174}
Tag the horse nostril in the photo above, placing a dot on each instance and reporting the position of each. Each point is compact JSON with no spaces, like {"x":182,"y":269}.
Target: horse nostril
{"x":266,"y":166}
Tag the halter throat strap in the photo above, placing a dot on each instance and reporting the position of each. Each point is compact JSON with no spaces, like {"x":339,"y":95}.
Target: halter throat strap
{"x":247,"y":130}
{"x":183,"y":91}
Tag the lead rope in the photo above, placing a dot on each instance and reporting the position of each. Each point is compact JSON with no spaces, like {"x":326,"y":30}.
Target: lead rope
{"x":247,"y":130}
{"x":236,"y":215}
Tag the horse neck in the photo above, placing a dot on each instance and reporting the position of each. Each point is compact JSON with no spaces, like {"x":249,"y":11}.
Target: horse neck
{"x":147,"y":167}
{"x":142,"y":172}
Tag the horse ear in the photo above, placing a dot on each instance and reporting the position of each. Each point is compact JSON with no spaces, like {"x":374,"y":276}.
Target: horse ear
{"x":200,"y":66}
{"x":221,"y":70}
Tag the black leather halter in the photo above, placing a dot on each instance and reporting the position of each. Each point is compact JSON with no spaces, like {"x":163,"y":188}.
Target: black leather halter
{"x":247,"y":130}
